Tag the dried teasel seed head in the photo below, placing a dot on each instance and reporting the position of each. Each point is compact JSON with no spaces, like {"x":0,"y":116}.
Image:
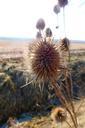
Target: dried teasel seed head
{"x":48,"y":32}
{"x":63,"y":3}
{"x":58,"y":114}
{"x":45,"y":60}
{"x":65,"y":43}
{"x":40,"y":24}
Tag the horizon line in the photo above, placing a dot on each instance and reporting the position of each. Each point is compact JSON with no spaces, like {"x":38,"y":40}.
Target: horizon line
{"x":30,"y":38}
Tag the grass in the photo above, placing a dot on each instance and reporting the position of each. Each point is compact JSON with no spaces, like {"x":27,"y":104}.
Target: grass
{"x":46,"y":122}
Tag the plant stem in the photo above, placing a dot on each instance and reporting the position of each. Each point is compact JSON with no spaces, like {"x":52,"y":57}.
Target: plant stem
{"x":63,"y":101}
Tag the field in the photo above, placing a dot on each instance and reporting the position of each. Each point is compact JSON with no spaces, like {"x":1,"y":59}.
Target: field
{"x":14,"y":53}
{"x":16,"y":48}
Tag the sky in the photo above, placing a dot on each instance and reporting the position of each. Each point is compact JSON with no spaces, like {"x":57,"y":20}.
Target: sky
{"x":18,"y":18}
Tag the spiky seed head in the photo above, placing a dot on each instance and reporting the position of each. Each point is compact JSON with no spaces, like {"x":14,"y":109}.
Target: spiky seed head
{"x":63,"y":3}
{"x":48,"y":32}
{"x":58,"y":114}
{"x":45,"y":60}
{"x":40,"y":24}
{"x":56,"y":9}
{"x":65,"y":43}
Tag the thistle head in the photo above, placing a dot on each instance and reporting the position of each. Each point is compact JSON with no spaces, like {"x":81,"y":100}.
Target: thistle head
{"x":58,"y":114}
{"x":45,"y":60}
{"x":63,"y":3}
{"x":65,"y":44}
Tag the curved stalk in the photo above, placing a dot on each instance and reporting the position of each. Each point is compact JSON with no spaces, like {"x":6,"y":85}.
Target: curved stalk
{"x":63,"y":101}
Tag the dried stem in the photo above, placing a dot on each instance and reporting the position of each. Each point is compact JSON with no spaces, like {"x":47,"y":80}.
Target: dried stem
{"x":80,"y":106}
{"x":69,"y":95}
{"x":63,"y":101}
{"x":68,"y":124}
{"x":69,"y":56}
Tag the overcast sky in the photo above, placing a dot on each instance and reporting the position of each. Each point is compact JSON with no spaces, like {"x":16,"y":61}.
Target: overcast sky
{"x":18,"y":18}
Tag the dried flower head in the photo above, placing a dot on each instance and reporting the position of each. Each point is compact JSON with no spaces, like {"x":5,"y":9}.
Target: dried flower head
{"x":65,"y":43}
{"x":56,"y":9}
{"x":63,"y":3}
{"x":45,"y":60}
{"x":11,"y":121}
{"x":40,"y":24}
{"x":58,"y":114}
{"x":48,"y":32}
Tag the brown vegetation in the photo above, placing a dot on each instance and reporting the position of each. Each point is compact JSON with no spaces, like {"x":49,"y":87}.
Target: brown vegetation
{"x":37,"y":98}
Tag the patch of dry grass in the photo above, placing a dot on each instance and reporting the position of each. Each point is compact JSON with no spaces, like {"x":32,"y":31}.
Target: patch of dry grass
{"x":46,"y":122}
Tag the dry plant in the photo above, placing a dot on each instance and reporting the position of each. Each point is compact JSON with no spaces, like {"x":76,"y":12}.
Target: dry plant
{"x":11,"y":121}
{"x":58,"y":115}
{"x":64,"y":45}
{"x":47,"y":65}
{"x":7,"y":81}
